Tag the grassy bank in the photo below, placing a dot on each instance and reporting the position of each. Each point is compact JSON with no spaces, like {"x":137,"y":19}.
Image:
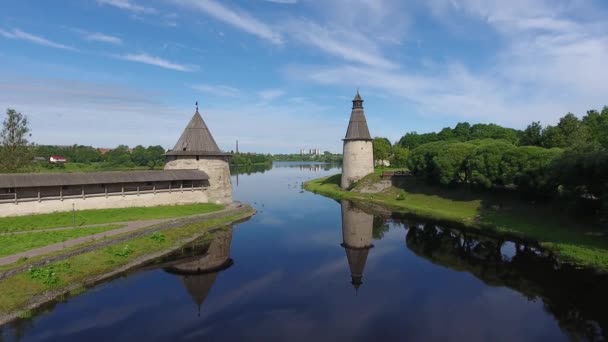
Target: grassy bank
{"x":75,"y":272}
{"x":573,"y":240}
{"x":87,"y":217}
{"x":17,"y":243}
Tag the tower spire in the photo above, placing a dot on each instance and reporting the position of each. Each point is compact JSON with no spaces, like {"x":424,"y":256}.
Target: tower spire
{"x":197,"y":106}
{"x":357,"y":101}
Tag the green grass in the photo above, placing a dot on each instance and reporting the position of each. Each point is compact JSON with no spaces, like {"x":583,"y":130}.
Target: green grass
{"x":18,"y":289}
{"x":101,"y":216}
{"x":17,"y":243}
{"x":573,"y":240}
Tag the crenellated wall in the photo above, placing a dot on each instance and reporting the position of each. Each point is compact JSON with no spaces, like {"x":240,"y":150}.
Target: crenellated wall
{"x":358,"y":161}
{"x":218,"y":170}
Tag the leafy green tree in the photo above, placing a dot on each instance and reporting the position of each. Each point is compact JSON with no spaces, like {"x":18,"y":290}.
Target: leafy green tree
{"x":486,"y":164}
{"x":155,"y":156}
{"x":452,"y":163}
{"x":139,"y":156}
{"x":381,"y":148}
{"x":532,"y":135}
{"x":16,"y":152}
{"x":399,"y":156}
{"x":120,"y":157}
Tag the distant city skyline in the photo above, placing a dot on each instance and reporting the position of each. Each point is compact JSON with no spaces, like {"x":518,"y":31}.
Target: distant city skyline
{"x":278,"y":75}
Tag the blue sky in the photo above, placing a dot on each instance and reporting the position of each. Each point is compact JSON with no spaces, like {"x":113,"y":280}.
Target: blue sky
{"x":279,"y":75}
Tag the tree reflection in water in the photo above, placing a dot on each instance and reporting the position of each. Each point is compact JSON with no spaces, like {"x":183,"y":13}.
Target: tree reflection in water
{"x":575,"y":297}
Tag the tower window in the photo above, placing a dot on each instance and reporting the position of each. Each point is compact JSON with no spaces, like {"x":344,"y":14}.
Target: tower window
{"x":197,"y":158}
{"x":184,"y":149}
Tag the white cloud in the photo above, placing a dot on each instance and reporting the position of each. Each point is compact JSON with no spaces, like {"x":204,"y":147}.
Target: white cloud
{"x":21,"y":35}
{"x":271,"y":94}
{"x":100,"y":37}
{"x":128,"y":5}
{"x":157,"y":61}
{"x":348,"y":45}
{"x":235,"y":17}
{"x":217,"y":90}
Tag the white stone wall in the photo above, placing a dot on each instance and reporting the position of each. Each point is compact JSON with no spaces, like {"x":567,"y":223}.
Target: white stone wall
{"x":357,"y":226}
{"x":187,"y":196}
{"x":358,"y":161}
{"x":220,"y":189}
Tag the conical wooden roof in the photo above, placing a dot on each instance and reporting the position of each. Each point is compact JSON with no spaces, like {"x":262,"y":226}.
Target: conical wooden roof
{"x":357,"y":257}
{"x":357,"y":126}
{"x":199,"y":286}
{"x":196,"y":140}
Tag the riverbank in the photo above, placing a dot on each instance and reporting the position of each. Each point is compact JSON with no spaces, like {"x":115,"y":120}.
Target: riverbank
{"x":59,"y":275}
{"x":575,"y":241}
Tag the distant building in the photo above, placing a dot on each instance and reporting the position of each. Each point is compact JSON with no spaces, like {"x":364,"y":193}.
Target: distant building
{"x":104,"y":150}
{"x":310,"y":152}
{"x":57,"y":160}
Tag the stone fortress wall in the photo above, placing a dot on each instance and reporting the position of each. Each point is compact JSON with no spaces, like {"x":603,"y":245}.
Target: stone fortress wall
{"x":150,"y":199}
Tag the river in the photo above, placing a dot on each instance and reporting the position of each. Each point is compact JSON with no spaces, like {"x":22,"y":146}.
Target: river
{"x":309,"y":268}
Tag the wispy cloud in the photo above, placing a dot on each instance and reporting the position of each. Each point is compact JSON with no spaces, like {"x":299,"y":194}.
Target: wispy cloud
{"x":21,"y":35}
{"x":348,"y":45}
{"x":271,"y":94}
{"x":235,"y":17}
{"x":217,"y":90}
{"x":157,"y":61}
{"x":99,"y":37}
{"x":129,"y":5}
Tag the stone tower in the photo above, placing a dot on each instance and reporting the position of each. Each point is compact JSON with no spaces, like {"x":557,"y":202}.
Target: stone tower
{"x":357,"y":231}
{"x":196,"y":149}
{"x":358,"y":157}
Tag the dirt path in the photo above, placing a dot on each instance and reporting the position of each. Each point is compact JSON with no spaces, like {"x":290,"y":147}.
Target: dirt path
{"x":128,"y":227}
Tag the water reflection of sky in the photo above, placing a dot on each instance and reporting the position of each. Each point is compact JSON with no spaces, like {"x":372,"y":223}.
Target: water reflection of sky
{"x":291,"y":281}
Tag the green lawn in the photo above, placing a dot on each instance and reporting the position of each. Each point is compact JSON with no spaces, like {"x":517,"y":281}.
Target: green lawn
{"x":17,"y":290}
{"x":572,"y":239}
{"x":87,"y":217}
{"x":17,"y":243}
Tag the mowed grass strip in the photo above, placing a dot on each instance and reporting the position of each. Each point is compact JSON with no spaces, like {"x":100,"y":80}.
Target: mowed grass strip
{"x":17,"y":243}
{"x":574,"y":240}
{"x":18,"y":290}
{"x":100,"y":216}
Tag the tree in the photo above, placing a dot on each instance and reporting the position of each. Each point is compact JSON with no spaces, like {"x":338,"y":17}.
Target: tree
{"x":16,"y":152}
{"x":399,"y":156}
{"x":382,"y":148}
{"x":155,"y":156}
{"x":532,"y":135}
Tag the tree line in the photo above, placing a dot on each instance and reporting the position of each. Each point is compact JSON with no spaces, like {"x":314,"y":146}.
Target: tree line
{"x":567,"y":161}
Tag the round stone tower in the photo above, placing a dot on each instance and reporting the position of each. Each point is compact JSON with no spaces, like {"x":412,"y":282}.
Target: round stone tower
{"x":197,"y":150}
{"x":358,"y":156}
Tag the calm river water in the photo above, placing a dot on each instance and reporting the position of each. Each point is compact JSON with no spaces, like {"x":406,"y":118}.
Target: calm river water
{"x":309,"y":268}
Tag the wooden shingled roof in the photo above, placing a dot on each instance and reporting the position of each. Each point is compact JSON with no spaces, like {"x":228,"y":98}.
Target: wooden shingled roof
{"x":26,"y":180}
{"x":196,"y":140}
{"x":357,"y":126}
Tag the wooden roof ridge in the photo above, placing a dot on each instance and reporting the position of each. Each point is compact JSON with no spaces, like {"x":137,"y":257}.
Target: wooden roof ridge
{"x":24,"y":180}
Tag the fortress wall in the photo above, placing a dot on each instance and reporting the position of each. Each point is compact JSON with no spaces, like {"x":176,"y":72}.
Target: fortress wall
{"x":218,"y":170}
{"x":187,"y":196}
{"x":358,"y":161}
